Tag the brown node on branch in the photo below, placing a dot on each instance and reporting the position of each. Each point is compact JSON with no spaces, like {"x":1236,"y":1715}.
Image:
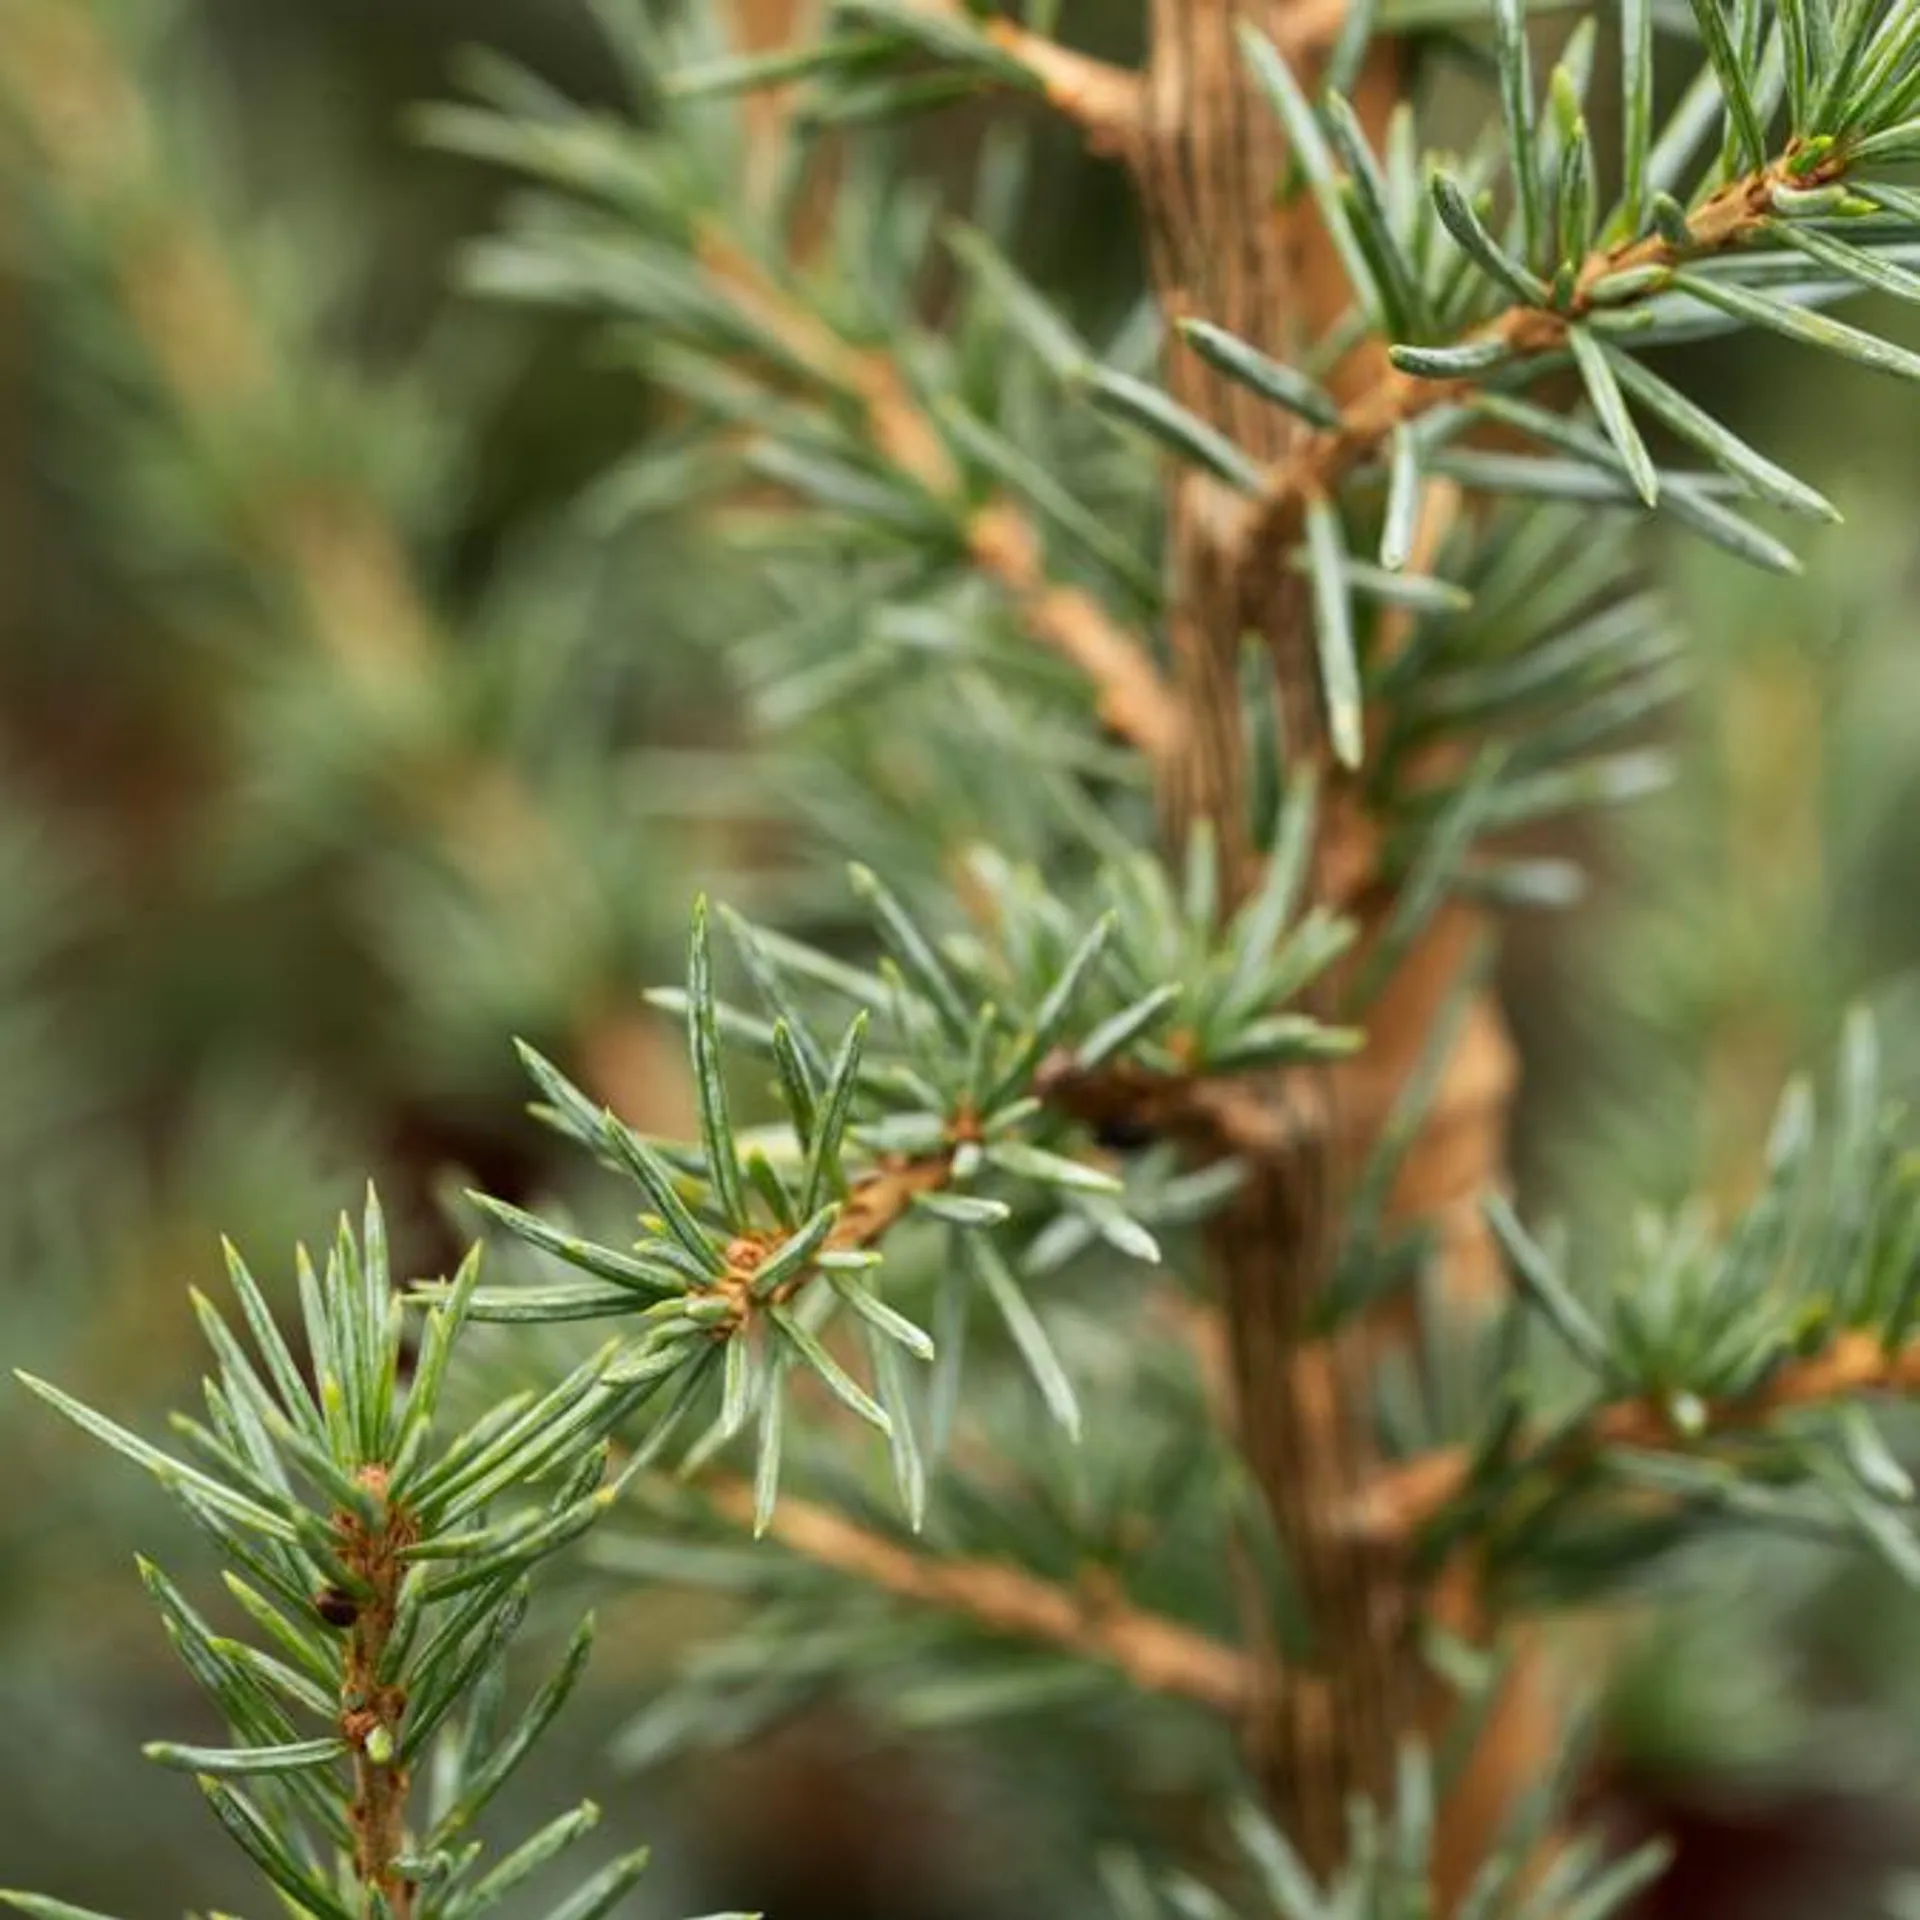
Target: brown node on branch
{"x":335,"y":1607}
{"x":875,"y":1202}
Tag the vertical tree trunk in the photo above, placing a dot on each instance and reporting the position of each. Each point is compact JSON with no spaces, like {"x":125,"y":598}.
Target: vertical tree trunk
{"x":1210,"y":159}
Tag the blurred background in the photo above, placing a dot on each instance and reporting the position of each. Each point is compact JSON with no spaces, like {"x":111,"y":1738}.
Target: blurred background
{"x":350,"y":726}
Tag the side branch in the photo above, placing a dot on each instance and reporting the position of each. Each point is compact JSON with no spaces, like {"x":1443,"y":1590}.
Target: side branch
{"x":1724,"y":222}
{"x":880,"y":1200}
{"x":1002,"y":541}
{"x":1108,"y":103}
{"x":1133,"y":699}
{"x":1103,"y":101}
{"x":1408,"y":1496}
{"x":875,"y":1204}
{"x":1156,"y":1654}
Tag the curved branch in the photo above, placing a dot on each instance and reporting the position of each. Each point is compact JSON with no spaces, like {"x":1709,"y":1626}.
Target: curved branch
{"x":1133,"y":699}
{"x":1156,"y":1654}
{"x":1003,"y":541}
{"x":1412,"y":1493}
{"x":1105,"y":102}
{"x":1722,"y":223}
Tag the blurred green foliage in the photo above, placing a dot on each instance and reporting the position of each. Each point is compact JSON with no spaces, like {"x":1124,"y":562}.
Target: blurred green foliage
{"x":241,"y":965}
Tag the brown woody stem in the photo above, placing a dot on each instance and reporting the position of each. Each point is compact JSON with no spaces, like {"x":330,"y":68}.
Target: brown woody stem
{"x":1322,"y":1724}
{"x":370,"y":1708}
{"x":1404,"y":1498}
{"x":1322,"y":460}
{"x":881,"y":1199}
{"x":1155,"y":1653}
{"x":1102,"y":101}
{"x":1003,"y":541}
{"x":1106,"y":102}
{"x":1207,"y":159}
{"x":1132,"y":697}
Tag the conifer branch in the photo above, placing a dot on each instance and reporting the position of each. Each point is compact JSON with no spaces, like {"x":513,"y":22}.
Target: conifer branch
{"x":371,"y":1706}
{"x":1397,"y":398}
{"x":1400,"y":398}
{"x":1133,"y":699}
{"x":1156,"y":1654}
{"x":1227,"y":1115}
{"x":895,"y":422}
{"x":1413,"y":1493}
{"x":1003,"y":541}
{"x":387,"y":1566}
{"x":1104,"y":101}
{"x":1202,"y":999}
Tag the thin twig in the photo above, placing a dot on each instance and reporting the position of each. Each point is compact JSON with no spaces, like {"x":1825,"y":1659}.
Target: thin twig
{"x":1105,"y":102}
{"x":370,"y":1708}
{"x":1153,"y":1652}
{"x":1108,"y":103}
{"x":881,"y":1199}
{"x":1409,"y":1495}
{"x":1096,"y":1621}
{"x":1132,"y":698}
{"x":1396,"y":399}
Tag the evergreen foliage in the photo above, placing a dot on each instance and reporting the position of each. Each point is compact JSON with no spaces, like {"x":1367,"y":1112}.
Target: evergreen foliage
{"x":386,"y":1569}
{"x":891,"y":1311}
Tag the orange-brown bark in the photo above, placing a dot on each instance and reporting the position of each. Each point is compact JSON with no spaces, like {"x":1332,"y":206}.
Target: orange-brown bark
{"x":1208,"y":159}
{"x":1399,"y":1501}
{"x":1156,"y":1653}
{"x":371,"y":1709}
